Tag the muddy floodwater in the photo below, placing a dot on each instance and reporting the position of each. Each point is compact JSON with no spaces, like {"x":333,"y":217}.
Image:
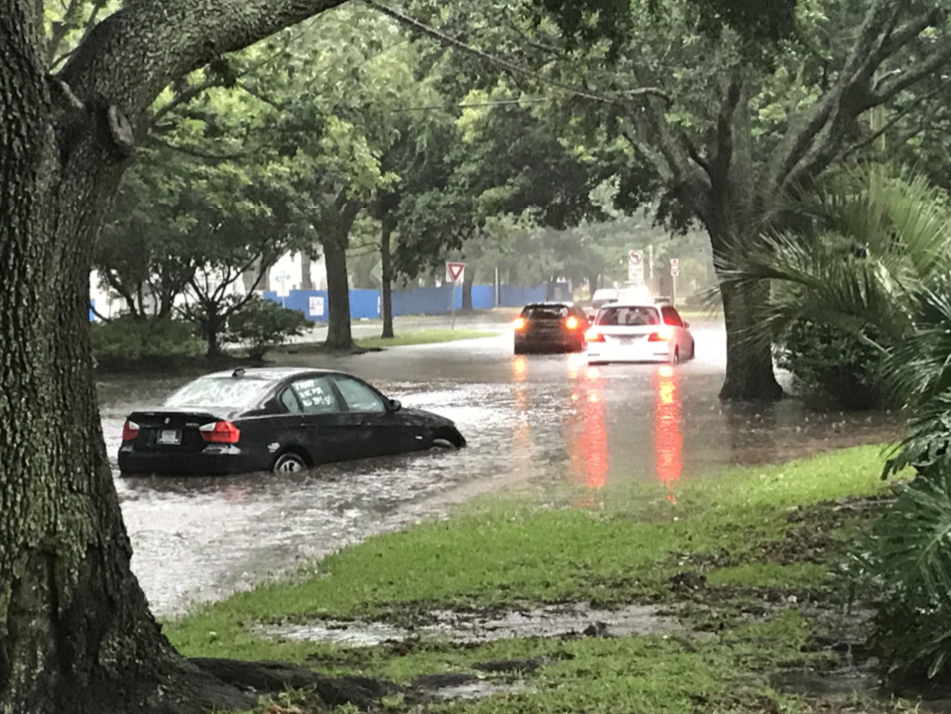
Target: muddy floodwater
{"x":528,"y":419}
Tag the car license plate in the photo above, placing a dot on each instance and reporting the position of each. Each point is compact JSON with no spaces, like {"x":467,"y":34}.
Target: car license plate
{"x":627,"y":340}
{"x":170,"y":437}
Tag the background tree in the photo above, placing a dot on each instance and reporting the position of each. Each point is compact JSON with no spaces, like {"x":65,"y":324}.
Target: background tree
{"x":726,"y":111}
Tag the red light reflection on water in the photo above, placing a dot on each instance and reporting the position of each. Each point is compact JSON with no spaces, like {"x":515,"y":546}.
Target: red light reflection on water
{"x":522,"y":437}
{"x":595,"y":434}
{"x":668,"y":439}
{"x":588,"y":446}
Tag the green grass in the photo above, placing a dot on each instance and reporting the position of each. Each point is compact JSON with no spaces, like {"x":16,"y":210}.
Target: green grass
{"x":503,"y":552}
{"x":422,"y":337}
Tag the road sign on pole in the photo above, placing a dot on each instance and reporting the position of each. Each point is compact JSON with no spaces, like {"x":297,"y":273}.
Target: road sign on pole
{"x":454,"y":275}
{"x":635,"y":266}
{"x":455,"y":272}
{"x":674,"y":267}
{"x":283,"y":292}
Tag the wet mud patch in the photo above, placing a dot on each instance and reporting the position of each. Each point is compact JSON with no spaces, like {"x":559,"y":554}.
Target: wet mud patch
{"x":464,"y":686}
{"x":568,"y":620}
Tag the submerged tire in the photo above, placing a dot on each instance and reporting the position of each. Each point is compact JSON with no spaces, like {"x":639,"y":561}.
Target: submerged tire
{"x":289,"y":462}
{"x":675,"y":357}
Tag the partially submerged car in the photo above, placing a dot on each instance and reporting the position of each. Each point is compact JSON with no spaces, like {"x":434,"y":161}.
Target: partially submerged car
{"x":274,"y":419}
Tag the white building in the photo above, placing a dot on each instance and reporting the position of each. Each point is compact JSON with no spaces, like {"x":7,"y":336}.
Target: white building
{"x":285,"y":275}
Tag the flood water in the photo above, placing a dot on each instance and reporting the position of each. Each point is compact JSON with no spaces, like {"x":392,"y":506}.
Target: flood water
{"x":527,"y":419}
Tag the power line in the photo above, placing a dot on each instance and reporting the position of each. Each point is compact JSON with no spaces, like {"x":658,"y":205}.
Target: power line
{"x":446,"y":40}
{"x":468,"y":105}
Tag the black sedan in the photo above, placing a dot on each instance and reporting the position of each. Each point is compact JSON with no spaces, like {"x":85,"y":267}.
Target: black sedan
{"x":274,"y":419}
{"x":550,"y":327}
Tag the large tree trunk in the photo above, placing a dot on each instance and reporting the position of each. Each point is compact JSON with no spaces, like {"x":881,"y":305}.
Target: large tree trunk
{"x":592,"y":284}
{"x":76,"y":634}
{"x":339,"y":336}
{"x":467,"y":280}
{"x":386,"y":277}
{"x":306,"y":281}
{"x":749,"y":361}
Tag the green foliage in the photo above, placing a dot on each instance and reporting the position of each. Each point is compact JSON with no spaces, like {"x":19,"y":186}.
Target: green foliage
{"x":908,"y":568}
{"x":832,"y":365}
{"x":261,"y":325}
{"x":758,"y":22}
{"x":893,"y":286}
{"x":127,"y":339}
{"x":865,"y":250}
{"x":423,"y":337}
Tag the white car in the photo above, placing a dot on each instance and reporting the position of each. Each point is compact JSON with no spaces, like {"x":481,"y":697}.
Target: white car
{"x":638,"y":332}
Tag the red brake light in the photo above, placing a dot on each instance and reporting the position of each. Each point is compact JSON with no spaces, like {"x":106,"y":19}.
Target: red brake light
{"x":572,"y":323}
{"x":520,"y":323}
{"x":220,"y":432}
{"x":594,"y":336}
{"x":662,"y":335}
{"x":130,"y":431}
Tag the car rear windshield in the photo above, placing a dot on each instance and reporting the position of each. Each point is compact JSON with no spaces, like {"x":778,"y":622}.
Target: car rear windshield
{"x":218,"y":392}
{"x":545,"y":312}
{"x":628,"y":316}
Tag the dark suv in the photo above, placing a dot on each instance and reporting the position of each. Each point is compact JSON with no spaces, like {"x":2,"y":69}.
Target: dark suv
{"x":550,"y":327}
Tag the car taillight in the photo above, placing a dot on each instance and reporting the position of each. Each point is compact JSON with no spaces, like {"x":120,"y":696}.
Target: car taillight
{"x":220,"y":432}
{"x":520,"y":323}
{"x":572,"y":323}
{"x":594,"y":336}
{"x":130,"y":431}
{"x":662,"y":335}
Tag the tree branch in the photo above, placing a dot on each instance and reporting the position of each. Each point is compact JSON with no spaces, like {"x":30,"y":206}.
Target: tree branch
{"x":807,"y":151}
{"x":118,"y":59}
{"x":184,"y":97}
{"x":872,"y":138}
{"x":447,"y":41}
{"x":199,"y":153}
{"x":889,"y":88}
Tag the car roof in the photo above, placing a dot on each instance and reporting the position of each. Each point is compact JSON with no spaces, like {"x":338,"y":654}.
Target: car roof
{"x":550,"y":304}
{"x":631,"y":303}
{"x":270,"y":374}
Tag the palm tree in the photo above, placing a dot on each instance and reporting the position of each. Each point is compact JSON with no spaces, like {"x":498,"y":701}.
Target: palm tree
{"x":871,"y":255}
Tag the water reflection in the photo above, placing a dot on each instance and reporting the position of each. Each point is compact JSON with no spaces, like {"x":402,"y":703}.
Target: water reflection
{"x":668,"y":439}
{"x":595,"y":434}
{"x":522,"y":436}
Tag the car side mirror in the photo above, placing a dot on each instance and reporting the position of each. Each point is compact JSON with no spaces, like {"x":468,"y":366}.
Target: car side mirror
{"x":394,"y":405}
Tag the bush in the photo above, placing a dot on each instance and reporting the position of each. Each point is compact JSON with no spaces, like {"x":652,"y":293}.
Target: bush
{"x":261,"y":325}
{"x":129,"y":339}
{"x":904,"y":571}
{"x":831,"y":365}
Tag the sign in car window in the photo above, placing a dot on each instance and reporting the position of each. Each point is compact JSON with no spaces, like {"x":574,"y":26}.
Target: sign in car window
{"x":358,"y":397}
{"x":316,"y":396}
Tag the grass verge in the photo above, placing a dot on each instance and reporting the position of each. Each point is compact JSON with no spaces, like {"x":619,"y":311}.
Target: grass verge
{"x":742,"y":557}
{"x":422,"y":337}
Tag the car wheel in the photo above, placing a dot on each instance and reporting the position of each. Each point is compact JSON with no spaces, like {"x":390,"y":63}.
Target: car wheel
{"x":448,"y":439}
{"x":693,"y":350}
{"x":289,"y":462}
{"x":519,"y":350}
{"x":675,"y":357}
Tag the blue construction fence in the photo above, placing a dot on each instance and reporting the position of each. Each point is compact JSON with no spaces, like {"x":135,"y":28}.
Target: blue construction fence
{"x":366,"y":304}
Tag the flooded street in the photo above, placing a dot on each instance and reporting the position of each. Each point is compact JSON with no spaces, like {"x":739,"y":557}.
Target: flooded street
{"x":526,"y":418}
